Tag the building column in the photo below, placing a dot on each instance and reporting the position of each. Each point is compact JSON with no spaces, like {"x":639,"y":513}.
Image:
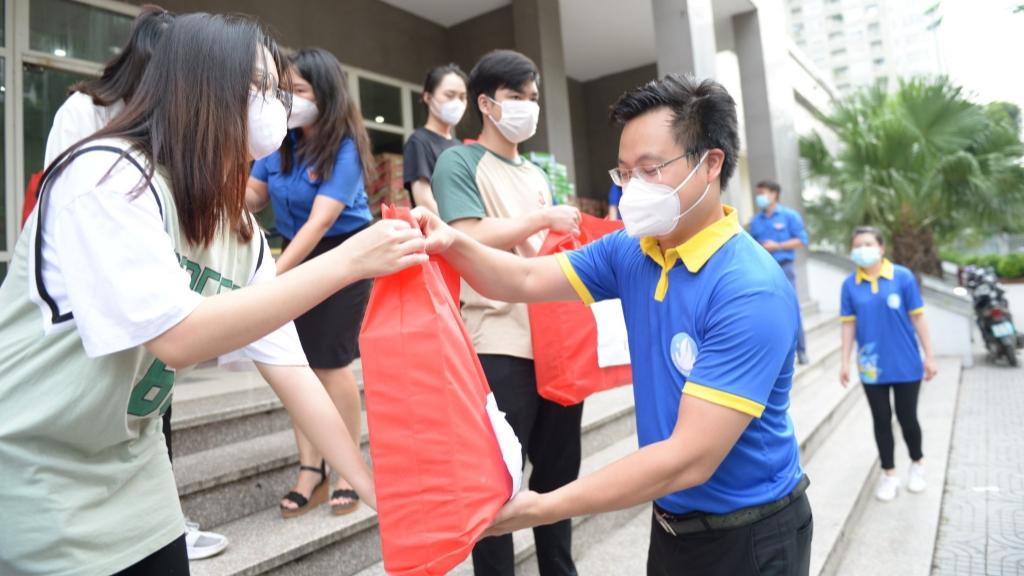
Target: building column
{"x":684,"y":33}
{"x":537,"y":30}
{"x":762,"y":49}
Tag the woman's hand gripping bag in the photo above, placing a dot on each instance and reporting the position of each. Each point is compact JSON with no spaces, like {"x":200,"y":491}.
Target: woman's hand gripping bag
{"x":444,"y":458}
{"x":579,"y":350}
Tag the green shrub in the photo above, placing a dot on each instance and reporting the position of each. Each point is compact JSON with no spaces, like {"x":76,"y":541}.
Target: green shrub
{"x":1011,"y":266}
{"x":950,"y":256}
{"x":989,"y":261}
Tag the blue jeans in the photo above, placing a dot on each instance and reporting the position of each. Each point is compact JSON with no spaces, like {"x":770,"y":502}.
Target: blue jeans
{"x":788,"y":269}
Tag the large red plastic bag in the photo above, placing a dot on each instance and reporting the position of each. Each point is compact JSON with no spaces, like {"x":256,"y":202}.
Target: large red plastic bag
{"x":444,"y":458}
{"x":579,"y":350}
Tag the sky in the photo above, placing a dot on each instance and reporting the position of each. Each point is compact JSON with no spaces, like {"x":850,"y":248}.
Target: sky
{"x":982,"y":42}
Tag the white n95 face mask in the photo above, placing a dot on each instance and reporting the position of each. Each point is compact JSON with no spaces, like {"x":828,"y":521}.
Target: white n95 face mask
{"x":450,"y":112}
{"x":268,"y":125}
{"x":304,"y":113}
{"x":518,"y":119}
{"x":653,"y":209}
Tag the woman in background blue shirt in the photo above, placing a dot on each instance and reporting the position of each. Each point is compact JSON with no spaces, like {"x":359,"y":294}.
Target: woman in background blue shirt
{"x":316,"y":183}
{"x":882,"y":308}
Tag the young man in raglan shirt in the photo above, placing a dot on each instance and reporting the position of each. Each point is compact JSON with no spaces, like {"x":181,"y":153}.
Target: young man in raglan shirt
{"x":489,"y":192}
{"x":712,"y":333}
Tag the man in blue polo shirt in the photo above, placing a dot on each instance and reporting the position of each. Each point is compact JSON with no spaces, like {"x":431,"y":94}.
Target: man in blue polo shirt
{"x":712,"y":330}
{"x":781,"y":231}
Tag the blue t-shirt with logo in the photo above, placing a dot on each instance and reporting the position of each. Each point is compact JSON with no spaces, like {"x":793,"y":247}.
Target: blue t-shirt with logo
{"x":292,"y":194}
{"x":783,"y":225}
{"x":887,"y":351}
{"x":719,"y":325}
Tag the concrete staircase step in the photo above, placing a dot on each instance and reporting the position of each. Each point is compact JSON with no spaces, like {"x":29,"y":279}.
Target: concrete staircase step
{"x":213,"y":407}
{"x":824,"y":347}
{"x":320,"y":543}
{"x":587,"y":530}
{"x":225,"y":483}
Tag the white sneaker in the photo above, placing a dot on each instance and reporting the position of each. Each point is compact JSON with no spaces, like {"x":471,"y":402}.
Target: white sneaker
{"x":202,"y":544}
{"x":916,"y":482}
{"x":888,"y":488}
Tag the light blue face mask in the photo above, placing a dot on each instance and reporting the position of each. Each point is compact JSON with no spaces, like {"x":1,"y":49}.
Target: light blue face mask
{"x":762,"y":201}
{"x":866,"y":256}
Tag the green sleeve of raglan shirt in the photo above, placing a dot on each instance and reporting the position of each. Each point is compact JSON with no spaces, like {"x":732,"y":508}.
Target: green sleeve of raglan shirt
{"x":454,"y":184}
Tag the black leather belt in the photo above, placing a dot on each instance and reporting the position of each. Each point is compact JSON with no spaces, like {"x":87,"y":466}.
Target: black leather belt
{"x":701,"y":521}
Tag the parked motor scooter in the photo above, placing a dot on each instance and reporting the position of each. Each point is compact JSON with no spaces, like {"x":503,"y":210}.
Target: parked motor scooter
{"x":992,"y":313}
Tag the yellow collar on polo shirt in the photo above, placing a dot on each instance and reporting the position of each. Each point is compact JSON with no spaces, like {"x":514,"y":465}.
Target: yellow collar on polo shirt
{"x":886,"y":272}
{"x":695,"y":252}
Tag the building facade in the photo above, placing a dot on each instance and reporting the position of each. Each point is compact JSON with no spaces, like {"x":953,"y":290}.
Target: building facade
{"x":589,"y":53}
{"x":859,"y":42}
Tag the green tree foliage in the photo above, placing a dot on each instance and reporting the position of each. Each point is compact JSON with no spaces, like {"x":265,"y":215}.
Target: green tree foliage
{"x":922,"y":163}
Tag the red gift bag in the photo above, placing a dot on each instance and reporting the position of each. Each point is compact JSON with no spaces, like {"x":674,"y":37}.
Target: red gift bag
{"x":565,"y":334}
{"x":436,"y":436}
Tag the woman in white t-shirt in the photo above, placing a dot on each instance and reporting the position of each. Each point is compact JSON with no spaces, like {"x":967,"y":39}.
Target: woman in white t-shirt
{"x":93,"y":104}
{"x":139,"y":262}
{"x":90,"y":106}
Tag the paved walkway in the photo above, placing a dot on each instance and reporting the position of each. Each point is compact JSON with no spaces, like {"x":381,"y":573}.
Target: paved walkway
{"x":982,"y":527}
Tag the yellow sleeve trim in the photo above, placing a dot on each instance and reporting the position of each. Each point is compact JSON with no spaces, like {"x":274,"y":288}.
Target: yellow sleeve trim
{"x":916,"y":311}
{"x":847,"y":318}
{"x":738,"y":403}
{"x":574,"y":278}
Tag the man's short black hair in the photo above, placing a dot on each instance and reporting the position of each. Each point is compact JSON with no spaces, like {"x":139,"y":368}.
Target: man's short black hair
{"x":705,"y":115}
{"x":770,"y":185}
{"x":500,"y":69}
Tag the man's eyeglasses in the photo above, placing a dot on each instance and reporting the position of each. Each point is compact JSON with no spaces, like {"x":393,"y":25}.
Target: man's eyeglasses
{"x":649,"y":173}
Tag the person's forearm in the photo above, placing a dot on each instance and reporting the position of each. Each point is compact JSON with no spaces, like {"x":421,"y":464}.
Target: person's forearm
{"x":923,"y":335}
{"x":791,"y":244}
{"x":302,"y":245}
{"x":423,"y":195}
{"x":226,"y":322}
{"x":849,"y":331}
{"x":505,"y":233}
{"x":645,"y":475}
{"x":309,"y":406}
{"x":495,"y":274}
{"x":253,"y":201}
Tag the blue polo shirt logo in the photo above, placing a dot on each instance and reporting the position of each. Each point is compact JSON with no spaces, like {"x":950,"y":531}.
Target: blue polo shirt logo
{"x":893,"y":301}
{"x":684,"y":353}
{"x":868,"y":364}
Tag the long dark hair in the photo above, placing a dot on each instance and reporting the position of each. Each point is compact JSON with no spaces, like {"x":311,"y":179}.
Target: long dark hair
{"x":339,"y":117}
{"x":189,"y":115}
{"x":123,"y":72}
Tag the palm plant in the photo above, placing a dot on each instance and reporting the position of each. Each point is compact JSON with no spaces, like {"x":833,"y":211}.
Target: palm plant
{"x":922,"y":163}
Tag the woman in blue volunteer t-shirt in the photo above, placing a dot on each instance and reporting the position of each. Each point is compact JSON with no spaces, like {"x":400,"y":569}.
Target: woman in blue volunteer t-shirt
{"x":316,"y":183}
{"x":881,"y":305}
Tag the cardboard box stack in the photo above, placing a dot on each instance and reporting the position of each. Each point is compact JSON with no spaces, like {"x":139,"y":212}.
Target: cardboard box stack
{"x":387,"y":188}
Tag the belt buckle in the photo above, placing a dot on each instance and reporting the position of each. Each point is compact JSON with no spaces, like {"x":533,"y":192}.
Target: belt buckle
{"x":664,"y":523}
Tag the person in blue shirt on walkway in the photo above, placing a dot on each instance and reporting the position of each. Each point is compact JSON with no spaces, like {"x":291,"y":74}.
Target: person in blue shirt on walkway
{"x":781,"y":231}
{"x":712,"y":327}
{"x":614,"y":197}
{"x":316,"y":183}
{"x":882,"y":307}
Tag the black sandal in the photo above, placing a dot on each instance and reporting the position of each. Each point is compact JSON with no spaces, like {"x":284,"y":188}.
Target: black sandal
{"x":318,"y":497}
{"x":350,"y":506}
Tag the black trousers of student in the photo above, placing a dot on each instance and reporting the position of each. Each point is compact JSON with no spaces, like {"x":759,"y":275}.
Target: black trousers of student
{"x":171,"y":560}
{"x":550,"y":435}
{"x":779,"y":545}
{"x":905,"y":395}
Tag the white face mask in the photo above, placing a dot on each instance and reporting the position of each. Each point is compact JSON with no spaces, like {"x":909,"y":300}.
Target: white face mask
{"x":450,"y":112}
{"x":653,"y":209}
{"x":518,"y":119}
{"x":268,"y":125}
{"x":304,"y":113}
